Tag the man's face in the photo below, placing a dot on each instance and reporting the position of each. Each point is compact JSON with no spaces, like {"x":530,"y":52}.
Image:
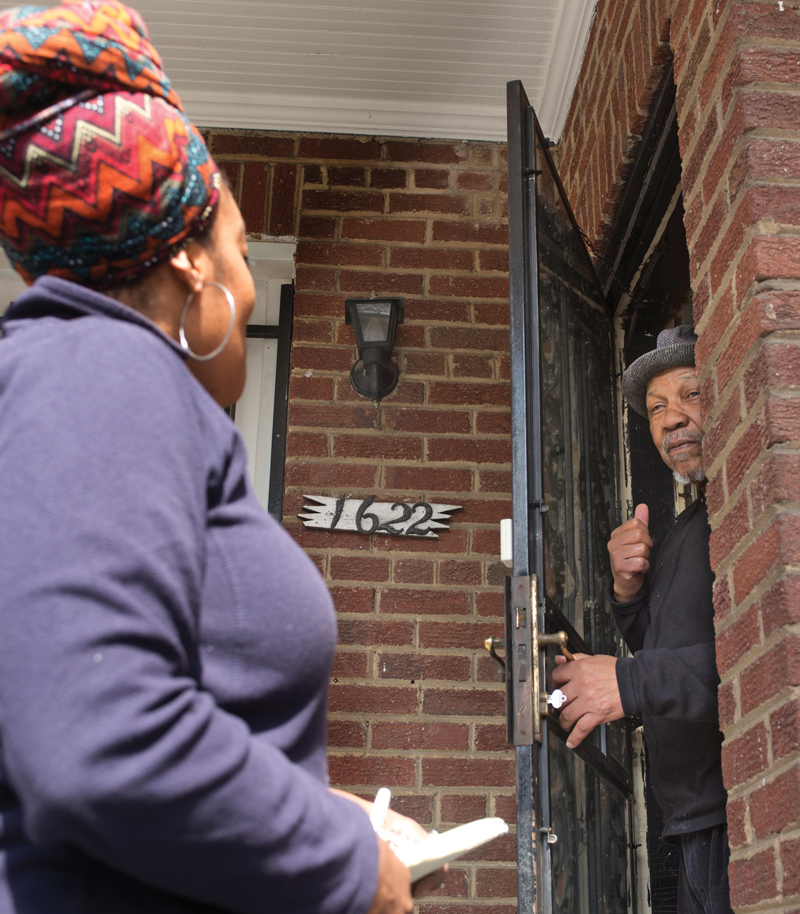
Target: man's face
{"x":676,"y":423}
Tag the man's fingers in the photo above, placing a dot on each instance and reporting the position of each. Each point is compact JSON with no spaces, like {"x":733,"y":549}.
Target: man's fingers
{"x":642,"y":513}
{"x":582,"y":729}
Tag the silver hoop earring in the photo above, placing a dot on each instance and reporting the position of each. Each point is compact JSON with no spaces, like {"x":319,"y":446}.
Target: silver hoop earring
{"x":182,"y":326}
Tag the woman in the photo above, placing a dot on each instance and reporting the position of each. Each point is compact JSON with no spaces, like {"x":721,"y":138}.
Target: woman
{"x":164,"y":645}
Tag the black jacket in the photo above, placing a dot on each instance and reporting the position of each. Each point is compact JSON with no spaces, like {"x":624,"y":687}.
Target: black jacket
{"x":672,"y":678}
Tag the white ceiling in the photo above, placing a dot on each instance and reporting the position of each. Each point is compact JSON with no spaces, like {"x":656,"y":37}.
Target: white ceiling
{"x":426,"y":68}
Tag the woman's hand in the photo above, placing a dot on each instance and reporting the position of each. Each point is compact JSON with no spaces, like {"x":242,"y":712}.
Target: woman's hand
{"x":393,"y":894}
{"x":405,"y":829}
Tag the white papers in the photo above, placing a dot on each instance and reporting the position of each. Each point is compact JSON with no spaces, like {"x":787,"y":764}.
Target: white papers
{"x":426,"y":856}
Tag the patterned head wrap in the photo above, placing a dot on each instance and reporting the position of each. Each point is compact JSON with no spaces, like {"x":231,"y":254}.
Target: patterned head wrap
{"x":101,"y":174}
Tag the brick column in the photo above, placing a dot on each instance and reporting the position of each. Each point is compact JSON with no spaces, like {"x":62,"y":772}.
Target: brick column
{"x":737,"y":70}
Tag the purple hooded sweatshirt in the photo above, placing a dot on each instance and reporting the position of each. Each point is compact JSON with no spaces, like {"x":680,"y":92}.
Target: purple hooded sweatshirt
{"x":165,"y":646}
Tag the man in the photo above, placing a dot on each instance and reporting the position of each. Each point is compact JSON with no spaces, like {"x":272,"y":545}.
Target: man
{"x":663,"y":608}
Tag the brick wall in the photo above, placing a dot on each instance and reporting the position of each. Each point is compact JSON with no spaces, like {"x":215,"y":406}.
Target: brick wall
{"x":736,"y":67}
{"x":415,"y":702}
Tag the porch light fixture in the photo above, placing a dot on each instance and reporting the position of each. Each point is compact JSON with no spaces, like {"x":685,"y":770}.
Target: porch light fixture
{"x":374,"y":322}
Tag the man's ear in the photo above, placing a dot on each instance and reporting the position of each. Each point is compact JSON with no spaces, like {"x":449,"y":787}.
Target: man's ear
{"x":185,"y":270}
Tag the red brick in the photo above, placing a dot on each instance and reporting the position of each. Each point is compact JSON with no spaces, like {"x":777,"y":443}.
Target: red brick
{"x":380,"y":283}
{"x":384,"y":230}
{"x":432,"y":153}
{"x":777,"y":364}
{"x":388,"y":178}
{"x":451,"y":338}
{"x":231,"y":172}
{"x":473,"y":366}
{"x":463,"y":635}
{"x":464,"y":703}
{"x":764,"y":158}
{"x":737,"y":640}
{"x":496,"y":883}
{"x":491,"y":738}
{"x":348,"y":770}
{"x":361,"y":255}
{"x":495,"y":481}
{"x":427,"y":420}
{"x":306,"y":445}
{"x":779,"y":544}
{"x":332,"y":148}
{"x":452,"y":737}
{"x":324,"y":415}
{"x":283,"y":200}
{"x":493,"y":423}
{"x":432,"y":178}
{"x":319,"y":475}
{"x":424,"y":479}
{"x":349,"y":666}
{"x":774,"y":806}
{"x":469,"y":286}
{"x":349,"y":176}
{"x":506,"y":808}
{"x":785,"y":724}
{"x":372,"y":699}
{"x":413,"y":571}
{"x":308,"y":304}
{"x":312,"y":331}
{"x":494,"y":261}
{"x":736,"y":811}
{"x":745,"y":757}
{"x":460,"y":572}
{"x":470,"y":450}
{"x":753,"y":880}
{"x":450,"y":908}
{"x":255,"y":179}
{"x":417,"y":668}
{"x":730,"y":530}
{"x":790,"y":857}
{"x":437,"y":309}
{"x":270,"y":147}
{"x":452,"y":542}
{"x":359,"y":568}
{"x":375,"y":633}
{"x":428,"y":364}
{"x":309,"y":279}
{"x":474,"y":180}
{"x":431,"y":259}
{"x":471,"y":232}
{"x":321,"y":358}
{"x":353,"y":599}
{"x":312,"y":174}
{"x":449,"y":204}
{"x":425,"y":602}
{"x":346,"y":734}
{"x":383,"y":447}
{"x":727,"y":705}
{"x":442,"y":772}
{"x":768,"y":676}
{"x":486,"y":542}
{"x":460,"y":809}
{"x":354,"y":201}
{"x":464,"y":394}
{"x":780,"y":605}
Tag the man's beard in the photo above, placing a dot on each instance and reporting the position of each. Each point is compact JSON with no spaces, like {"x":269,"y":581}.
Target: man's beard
{"x":690,"y":474}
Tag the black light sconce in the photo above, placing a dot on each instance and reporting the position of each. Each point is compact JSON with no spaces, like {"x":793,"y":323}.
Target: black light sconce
{"x":374,"y":321}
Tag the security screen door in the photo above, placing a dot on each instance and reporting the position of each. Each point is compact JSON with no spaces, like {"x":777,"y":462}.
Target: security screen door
{"x":576,"y":805}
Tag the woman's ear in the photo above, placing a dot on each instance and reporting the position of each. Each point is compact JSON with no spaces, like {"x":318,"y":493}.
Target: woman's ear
{"x":186,"y":271}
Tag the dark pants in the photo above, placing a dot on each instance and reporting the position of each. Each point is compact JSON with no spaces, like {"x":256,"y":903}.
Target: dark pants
{"x":703,"y":877}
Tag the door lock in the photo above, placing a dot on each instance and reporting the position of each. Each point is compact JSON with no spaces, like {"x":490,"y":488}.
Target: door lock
{"x":543,"y":702}
{"x":550,"y":836}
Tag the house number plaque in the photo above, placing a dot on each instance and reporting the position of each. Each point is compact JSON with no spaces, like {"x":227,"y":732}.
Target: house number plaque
{"x":365,"y":515}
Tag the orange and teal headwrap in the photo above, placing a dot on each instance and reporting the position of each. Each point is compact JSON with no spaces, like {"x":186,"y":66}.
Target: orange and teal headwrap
{"x":102,"y":176}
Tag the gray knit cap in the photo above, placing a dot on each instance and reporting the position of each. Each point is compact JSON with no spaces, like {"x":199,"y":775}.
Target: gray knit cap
{"x":674,"y":349}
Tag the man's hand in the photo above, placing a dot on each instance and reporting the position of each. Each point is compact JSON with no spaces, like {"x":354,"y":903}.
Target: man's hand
{"x":590,"y":685}
{"x":629,"y":547}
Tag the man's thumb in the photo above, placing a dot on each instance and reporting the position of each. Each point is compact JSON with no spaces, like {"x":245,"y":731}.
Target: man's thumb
{"x":642,"y":513}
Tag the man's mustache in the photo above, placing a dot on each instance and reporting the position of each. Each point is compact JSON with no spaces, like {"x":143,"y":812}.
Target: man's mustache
{"x":680,"y":436}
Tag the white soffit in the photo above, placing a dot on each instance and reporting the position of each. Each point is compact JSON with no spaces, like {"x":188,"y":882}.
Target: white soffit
{"x":422,"y":68}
